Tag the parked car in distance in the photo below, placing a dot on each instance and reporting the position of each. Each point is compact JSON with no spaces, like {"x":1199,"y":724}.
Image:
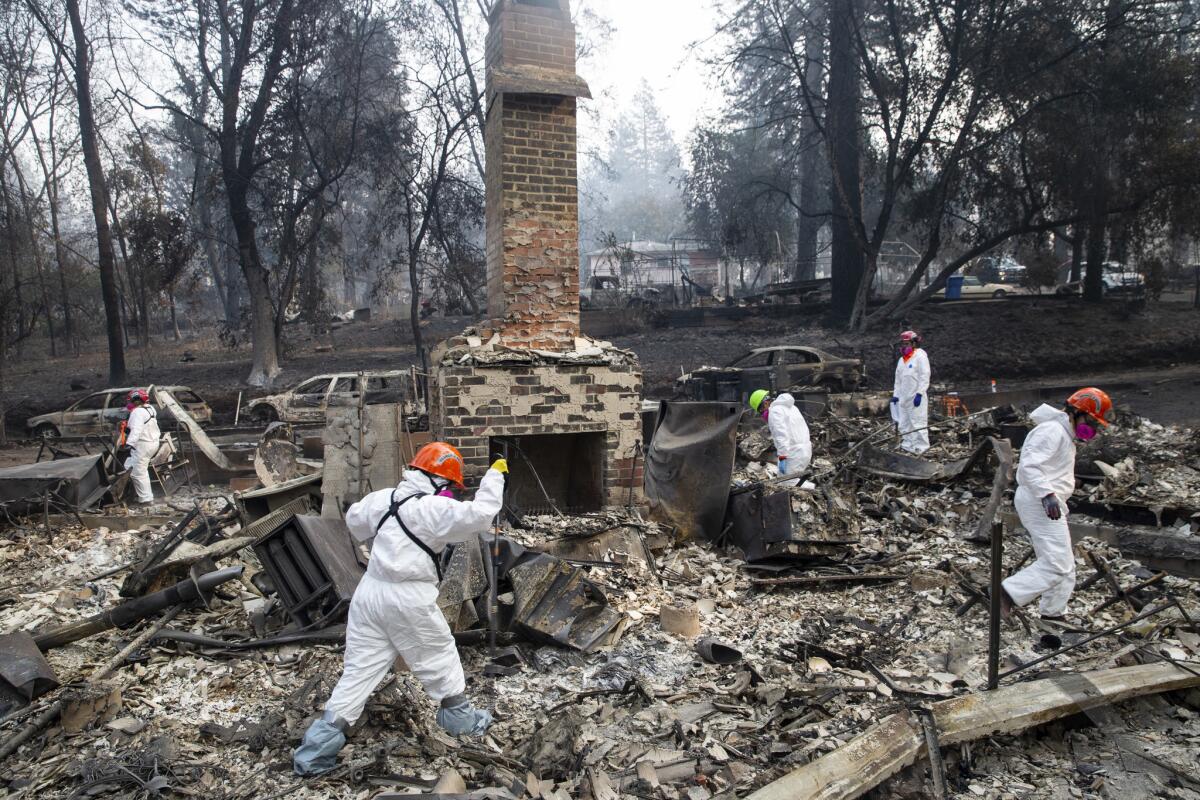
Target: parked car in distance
{"x":99,"y":413}
{"x":1115,"y":278}
{"x":779,"y":369}
{"x":976,"y":288}
{"x":308,"y":400}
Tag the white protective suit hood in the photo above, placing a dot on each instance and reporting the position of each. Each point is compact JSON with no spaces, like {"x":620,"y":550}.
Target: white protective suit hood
{"x":1047,"y":464}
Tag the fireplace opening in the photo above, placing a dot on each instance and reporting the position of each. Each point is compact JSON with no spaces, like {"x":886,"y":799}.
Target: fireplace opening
{"x":566,"y":467}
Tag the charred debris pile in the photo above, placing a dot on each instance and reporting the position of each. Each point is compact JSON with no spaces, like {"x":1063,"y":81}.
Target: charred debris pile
{"x":727,"y":638}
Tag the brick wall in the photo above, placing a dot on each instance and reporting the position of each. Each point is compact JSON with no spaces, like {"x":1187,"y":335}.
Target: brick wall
{"x":471,"y":404}
{"x":532,"y":189}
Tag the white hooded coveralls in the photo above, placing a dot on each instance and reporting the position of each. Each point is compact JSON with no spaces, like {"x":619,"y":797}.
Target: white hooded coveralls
{"x":142,"y":435}
{"x":394,"y":610}
{"x":789,"y":431}
{"x":1047,"y":467}
{"x":912,"y":379}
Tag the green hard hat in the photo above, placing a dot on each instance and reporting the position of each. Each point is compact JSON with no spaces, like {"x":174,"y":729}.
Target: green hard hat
{"x":757,"y":398}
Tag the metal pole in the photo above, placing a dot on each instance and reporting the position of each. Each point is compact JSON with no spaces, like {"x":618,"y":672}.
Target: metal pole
{"x":237,"y":412}
{"x":994,"y":618}
{"x":493,"y":603}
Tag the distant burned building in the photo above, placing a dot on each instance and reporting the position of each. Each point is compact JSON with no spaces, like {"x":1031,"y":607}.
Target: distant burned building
{"x":660,"y":264}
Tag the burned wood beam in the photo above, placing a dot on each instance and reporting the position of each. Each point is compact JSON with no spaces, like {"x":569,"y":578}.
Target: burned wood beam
{"x":899,"y":740}
{"x":829,"y":581}
{"x":1154,"y":548}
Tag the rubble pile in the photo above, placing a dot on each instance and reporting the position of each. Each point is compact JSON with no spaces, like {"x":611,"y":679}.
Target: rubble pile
{"x":1144,"y":463}
{"x":721,"y":676}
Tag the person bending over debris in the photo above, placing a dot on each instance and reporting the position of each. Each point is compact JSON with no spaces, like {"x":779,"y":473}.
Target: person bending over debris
{"x":1045,"y":481}
{"x":910,"y":406}
{"x":394,"y":610}
{"x":142,"y":436}
{"x":788,"y":430}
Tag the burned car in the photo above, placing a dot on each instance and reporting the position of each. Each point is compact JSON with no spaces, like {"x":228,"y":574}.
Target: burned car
{"x":779,"y":369}
{"x":307,"y":402}
{"x":99,"y":413}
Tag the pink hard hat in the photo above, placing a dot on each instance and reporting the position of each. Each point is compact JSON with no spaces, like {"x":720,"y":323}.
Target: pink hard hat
{"x":140,"y":395}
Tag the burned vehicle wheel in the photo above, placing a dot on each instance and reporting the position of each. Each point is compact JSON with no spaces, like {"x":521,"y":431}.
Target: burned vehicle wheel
{"x":46,"y":431}
{"x":265,"y":415}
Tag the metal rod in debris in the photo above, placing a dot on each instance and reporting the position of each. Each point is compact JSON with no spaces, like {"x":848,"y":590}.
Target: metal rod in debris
{"x":993,"y":664}
{"x":1099,"y":634}
{"x":126,"y":614}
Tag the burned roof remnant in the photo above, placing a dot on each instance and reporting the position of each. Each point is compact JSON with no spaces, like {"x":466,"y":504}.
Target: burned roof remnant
{"x":553,"y":601}
{"x":69,"y":483}
{"x":24,"y":670}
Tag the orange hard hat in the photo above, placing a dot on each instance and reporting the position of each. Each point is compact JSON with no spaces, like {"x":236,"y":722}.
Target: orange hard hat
{"x":1093,"y":402}
{"x":441,"y":459}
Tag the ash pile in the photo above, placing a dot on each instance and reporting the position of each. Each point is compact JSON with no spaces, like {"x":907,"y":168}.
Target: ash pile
{"x":733,"y":638}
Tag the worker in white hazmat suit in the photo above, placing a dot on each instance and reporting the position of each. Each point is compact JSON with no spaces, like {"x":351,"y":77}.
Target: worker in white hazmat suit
{"x":394,"y":610}
{"x":1045,"y":481}
{"x":789,"y":431}
{"x":143,"y":437}
{"x":910,"y":397}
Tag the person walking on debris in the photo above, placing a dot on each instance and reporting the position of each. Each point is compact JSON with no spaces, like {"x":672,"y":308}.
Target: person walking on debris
{"x":143,"y":437}
{"x":394,"y":610}
{"x":1045,"y":481}
{"x":788,"y":430}
{"x":910,"y":406}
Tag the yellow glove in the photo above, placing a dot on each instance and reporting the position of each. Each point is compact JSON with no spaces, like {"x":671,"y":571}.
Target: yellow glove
{"x":500,"y":465}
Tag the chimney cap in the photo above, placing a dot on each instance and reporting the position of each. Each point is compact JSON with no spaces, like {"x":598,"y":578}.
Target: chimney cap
{"x":561,"y":8}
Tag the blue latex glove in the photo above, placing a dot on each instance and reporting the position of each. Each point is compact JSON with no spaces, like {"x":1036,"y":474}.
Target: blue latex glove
{"x":464,"y":720}
{"x":317,"y":754}
{"x":895,"y":399}
{"x":917,"y":401}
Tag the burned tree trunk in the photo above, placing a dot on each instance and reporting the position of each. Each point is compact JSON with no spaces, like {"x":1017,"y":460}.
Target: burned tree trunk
{"x":843,"y":138}
{"x":99,"y":191}
{"x":810,"y":159}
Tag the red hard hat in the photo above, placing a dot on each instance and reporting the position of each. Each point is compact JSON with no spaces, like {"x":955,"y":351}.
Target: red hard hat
{"x":138,"y":395}
{"x":910,"y":336}
{"x":1093,"y":402}
{"x":441,"y":459}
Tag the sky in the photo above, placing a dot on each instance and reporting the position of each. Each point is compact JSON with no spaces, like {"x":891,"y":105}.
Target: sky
{"x":653,"y":40}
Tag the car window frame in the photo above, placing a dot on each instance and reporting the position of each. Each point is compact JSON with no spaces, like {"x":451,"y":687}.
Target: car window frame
{"x":297,"y":391}
{"x":338,"y":379}
{"x":75,"y":409}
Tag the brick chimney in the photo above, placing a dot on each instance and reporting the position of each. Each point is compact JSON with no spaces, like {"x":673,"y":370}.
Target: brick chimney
{"x":532,"y":190}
